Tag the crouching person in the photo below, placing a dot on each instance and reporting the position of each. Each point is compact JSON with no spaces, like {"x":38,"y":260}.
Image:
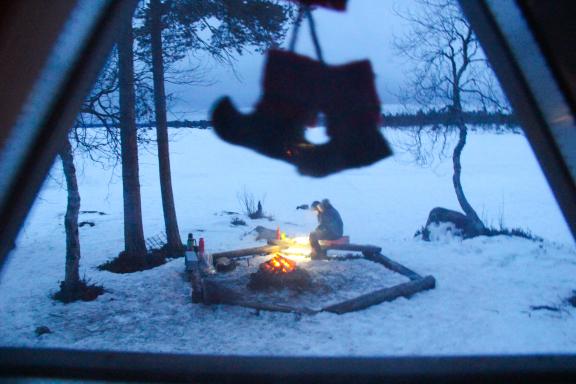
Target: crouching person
{"x":330,"y":226}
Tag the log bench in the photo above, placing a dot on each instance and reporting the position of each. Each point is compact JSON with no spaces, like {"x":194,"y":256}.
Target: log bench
{"x":327,"y":245}
{"x":266,"y":249}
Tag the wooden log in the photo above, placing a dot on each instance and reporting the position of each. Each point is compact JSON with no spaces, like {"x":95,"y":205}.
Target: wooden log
{"x":365,"y":249}
{"x":341,"y":240}
{"x":393,"y":266}
{"x":224,"y":264}
{"x":274,"y":307}
{"x":216,"y":293}
{"x":248,"y":252}
{"x":382,"y":295}
{"x":349,"y":256}
{"x":281,"y":243}
{"x":196,"y":282}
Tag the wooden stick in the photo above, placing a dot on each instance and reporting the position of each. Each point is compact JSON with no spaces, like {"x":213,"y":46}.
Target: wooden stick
{"x":248,"y":252}
{"x":394,"y":266}
{"x":386,"y":294}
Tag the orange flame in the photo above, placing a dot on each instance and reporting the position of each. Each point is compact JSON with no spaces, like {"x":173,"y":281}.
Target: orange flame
{"x":279,"y":264}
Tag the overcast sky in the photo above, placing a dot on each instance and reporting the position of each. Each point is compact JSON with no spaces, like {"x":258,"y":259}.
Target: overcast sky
{"x":365,"y":30}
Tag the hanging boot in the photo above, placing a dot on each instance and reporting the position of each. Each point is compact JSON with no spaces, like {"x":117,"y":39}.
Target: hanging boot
{"x":352,"y":108}
{"x":289,"y":102}
{"x":339,"y":5}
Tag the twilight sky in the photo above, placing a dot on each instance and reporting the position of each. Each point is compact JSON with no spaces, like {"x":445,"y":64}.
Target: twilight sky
{"x":365,"y":30}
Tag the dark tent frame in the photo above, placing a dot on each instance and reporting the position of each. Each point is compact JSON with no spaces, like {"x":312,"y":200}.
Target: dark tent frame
{"x":529,"y":43}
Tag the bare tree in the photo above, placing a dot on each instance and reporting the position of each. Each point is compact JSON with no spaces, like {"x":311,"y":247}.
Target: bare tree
{"x":134,"y":242}
{"x":73,"y":287}
{"x":101,"y":110}
{"x":169,"y":31}
{"x":251,"y":206}
{"x":72,"y":273}
{"x":448,"y":71}
{"x":173,"y":241}
{"x":130,"y":91}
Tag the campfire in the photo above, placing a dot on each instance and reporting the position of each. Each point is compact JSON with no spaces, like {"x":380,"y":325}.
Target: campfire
{"x":278,"y":264}
{"x":279,"y":272}
{"x":286,"y":279}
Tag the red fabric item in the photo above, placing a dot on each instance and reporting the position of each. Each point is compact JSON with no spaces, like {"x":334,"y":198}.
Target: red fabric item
{"x":201,"y":245}
{"x":339,"y":5}
{"x":292,"y":86}
{"x":351,"y":105}
{"x":295,"y":90}
{"x":292,"y":90}
{"x":351,"y":98}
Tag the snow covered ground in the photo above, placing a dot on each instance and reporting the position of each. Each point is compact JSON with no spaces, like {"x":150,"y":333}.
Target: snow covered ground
{"x":485,"y":286}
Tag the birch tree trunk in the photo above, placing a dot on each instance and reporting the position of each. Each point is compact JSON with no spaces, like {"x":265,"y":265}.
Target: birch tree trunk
{"x":72,"y":269}
{"x":456,"y":179}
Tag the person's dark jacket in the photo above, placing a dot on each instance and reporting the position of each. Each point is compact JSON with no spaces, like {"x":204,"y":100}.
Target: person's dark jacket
{"x":330,"y":223}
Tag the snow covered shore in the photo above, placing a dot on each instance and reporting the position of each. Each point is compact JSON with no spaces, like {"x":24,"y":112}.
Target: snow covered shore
{"x":486,"y":302}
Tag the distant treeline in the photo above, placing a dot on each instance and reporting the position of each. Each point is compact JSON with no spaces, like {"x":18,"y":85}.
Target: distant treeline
{"x":398,"y":120}
{"x":200,"y":124}
{"x":478,"y":118}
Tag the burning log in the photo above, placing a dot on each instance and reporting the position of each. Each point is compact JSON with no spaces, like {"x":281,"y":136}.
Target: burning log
{"x":279,"y":272}
{"x":278,"y":265}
